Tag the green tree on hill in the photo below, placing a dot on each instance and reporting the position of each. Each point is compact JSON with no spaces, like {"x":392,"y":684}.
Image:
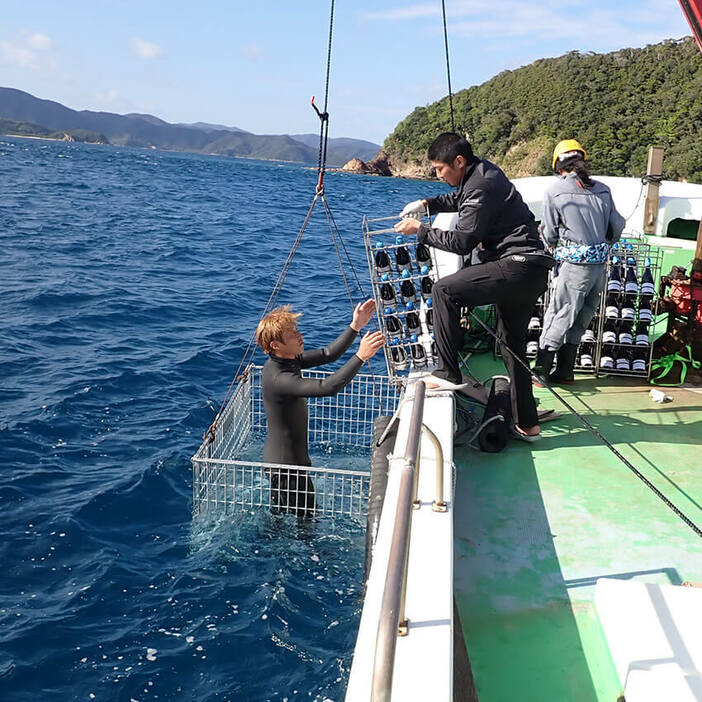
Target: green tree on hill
{"x":615,"y":104}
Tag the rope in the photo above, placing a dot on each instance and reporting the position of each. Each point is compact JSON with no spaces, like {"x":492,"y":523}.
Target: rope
{"x":596,"y":432}
{"x":324,"y":115}
{"x":272,"y":299}
{"x":336,"y":233}
{"x":448,"y":65}
{"x":330,"y":217}
{"x":645,"y":180}
{"x":319,"y":193}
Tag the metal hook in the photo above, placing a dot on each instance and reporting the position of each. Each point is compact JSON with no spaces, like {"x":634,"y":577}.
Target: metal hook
{"x":324,"y":116}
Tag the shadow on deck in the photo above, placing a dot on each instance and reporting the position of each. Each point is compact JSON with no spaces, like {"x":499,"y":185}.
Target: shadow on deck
{"x":537,"y":524}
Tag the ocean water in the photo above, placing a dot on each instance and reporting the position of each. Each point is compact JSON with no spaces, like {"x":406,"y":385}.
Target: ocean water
{"x":131,"y":283}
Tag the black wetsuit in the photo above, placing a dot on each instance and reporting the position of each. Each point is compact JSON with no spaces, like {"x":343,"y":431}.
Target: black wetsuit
{"x":284,"y":393}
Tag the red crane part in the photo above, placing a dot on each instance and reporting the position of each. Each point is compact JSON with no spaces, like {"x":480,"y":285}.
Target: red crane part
{"x":693,"y":12}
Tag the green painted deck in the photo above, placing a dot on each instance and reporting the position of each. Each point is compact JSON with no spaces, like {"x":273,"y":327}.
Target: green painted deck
{"x":537,"y":524}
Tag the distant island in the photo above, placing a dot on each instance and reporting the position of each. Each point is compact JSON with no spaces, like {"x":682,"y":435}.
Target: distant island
{"x":22,"y":114}
{"x":616,"y":104}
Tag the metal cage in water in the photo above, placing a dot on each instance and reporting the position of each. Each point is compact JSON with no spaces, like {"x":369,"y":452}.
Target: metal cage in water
{"x":225,"y":483}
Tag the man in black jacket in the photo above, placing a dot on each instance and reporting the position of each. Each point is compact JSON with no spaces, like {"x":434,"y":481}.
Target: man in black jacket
{"x":493,"y":221}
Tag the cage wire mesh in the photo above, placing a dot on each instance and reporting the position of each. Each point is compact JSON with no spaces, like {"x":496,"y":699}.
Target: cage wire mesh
{"x":224,"y":483}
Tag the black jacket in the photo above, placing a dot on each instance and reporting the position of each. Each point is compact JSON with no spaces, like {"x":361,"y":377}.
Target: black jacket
{"x":492,"y":217}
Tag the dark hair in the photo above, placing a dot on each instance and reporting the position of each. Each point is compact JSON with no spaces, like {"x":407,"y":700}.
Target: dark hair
{"x":579,"y":167}
{"x":447,"y":146}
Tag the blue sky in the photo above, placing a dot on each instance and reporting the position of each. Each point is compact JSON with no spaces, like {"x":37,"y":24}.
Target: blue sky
{"x":255,"y":65}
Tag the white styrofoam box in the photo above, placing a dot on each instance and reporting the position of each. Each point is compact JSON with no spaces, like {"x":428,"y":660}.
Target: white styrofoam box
{"x":667,"y":682}
{"x":446,"y":263}
{"x":654,"y":633}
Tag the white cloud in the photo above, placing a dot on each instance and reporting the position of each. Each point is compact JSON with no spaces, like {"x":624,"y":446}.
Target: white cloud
{"x":39,"y":41}
{"x":22,"y":51}
{"x":252,"y":51}
{"x":19,"y":55}
{"x":589,"y":23}
{"x":146,"y":49}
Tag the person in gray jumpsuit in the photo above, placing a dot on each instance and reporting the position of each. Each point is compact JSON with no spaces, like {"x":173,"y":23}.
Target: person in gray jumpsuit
{"x":285,"y":392}
{"x":579,"y":222}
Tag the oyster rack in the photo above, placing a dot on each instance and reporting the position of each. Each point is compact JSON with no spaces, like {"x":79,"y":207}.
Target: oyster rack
{"x":619,"y":341}
{"x":402,"y":274}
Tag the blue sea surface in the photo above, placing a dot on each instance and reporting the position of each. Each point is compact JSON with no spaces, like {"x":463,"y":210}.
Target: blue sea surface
{"x":132,"y":281}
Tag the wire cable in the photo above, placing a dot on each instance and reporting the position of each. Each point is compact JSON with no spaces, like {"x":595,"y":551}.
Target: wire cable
{"x":594,"y":431}
{"x":448,"y":64}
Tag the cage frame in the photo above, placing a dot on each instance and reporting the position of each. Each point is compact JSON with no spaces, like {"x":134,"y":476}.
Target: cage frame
{"x":223,"y":482}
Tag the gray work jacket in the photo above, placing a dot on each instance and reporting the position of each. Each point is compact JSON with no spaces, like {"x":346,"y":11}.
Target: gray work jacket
{"x":580,"y":216}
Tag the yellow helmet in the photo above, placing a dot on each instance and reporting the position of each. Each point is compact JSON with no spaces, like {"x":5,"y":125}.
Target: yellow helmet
{"x":564,"y":148}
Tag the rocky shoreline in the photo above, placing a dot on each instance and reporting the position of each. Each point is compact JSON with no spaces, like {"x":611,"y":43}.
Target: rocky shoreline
{"x":385,"y":164}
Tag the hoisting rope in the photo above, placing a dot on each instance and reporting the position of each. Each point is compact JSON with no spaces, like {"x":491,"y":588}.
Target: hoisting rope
{"x":334,"y":229}
{"x":448,"y":65}
{"x":593,"y":430}
{"x":324,"y":114}
{"x":321,"y":169}
{"x":247,"y":358}
{"x":272,"y":299}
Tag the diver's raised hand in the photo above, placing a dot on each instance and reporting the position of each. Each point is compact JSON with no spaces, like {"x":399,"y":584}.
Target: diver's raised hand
{"x":371,"y":343}
{"x":362,"y":314}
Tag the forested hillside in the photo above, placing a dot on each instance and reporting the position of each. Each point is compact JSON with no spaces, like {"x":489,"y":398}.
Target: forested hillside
{"x":615,"y":104}
{"x":46,"y":117}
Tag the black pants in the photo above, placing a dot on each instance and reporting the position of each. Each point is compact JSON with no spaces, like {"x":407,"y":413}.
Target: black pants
{"x":513,"y":286}
{"x":292,"y":490}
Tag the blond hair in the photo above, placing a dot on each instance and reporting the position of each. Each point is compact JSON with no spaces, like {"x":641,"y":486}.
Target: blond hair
{"x":274,"y":325}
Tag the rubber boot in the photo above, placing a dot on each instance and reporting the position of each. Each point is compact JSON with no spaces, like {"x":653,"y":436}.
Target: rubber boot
{"x":565,"y":362}
{"x":543,"y":364}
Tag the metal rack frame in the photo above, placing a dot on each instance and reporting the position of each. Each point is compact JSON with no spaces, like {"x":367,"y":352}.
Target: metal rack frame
{"x":223,"y":482}
{"x":639,"y":249}
{"x":425,"y":337}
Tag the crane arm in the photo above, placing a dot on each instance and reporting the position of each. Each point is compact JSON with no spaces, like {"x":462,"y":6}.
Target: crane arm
{"x":693,"y":12}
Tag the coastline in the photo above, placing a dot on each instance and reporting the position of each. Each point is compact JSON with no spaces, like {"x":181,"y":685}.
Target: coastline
{"x":27,"y":136}
{"x":48,"y":138}
{"x":305,"y":166}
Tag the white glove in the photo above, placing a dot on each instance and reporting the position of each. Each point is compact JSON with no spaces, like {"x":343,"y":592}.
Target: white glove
{"x":414,"y":208}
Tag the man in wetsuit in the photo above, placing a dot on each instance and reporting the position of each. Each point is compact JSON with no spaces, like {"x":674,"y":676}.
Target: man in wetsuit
{"x":285,"y":390}
{"x":512,"y":271}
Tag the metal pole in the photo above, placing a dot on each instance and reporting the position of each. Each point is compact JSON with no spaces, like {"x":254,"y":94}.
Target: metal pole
{"x":654,"y":169}
{"x":438,"y":505}
{"x":390,"y":610}
{"x":416,"y":504}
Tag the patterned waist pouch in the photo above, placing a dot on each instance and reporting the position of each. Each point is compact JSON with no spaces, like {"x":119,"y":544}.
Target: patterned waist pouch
{"x":580,"y":253}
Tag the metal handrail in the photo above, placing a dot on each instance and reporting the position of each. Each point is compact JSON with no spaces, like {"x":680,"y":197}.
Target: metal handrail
{"x":438,"y":505}
{"x":392,"y":606}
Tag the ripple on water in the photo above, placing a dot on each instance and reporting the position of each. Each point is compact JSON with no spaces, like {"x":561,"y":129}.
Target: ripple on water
{"x":134,"y":282}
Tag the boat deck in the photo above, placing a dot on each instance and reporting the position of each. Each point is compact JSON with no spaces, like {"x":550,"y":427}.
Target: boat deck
{"x":537,"y":524}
